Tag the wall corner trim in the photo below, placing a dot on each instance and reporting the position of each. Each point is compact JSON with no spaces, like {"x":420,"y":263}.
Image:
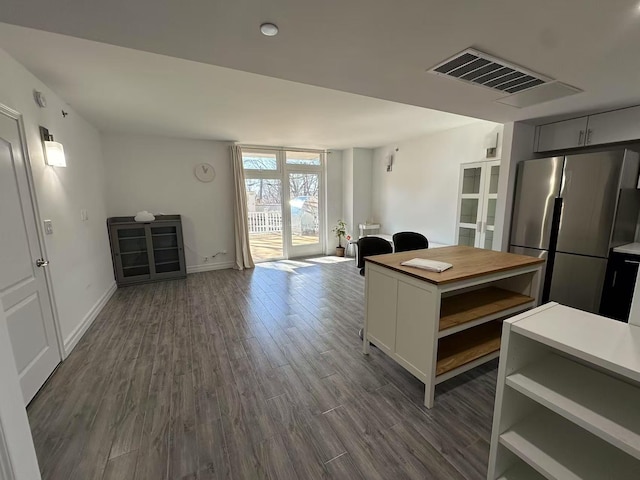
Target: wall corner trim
{"x":72,"y":340}
{"x":206,"y":267}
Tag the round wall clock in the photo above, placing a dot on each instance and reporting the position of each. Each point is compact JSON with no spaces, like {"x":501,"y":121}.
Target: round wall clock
{"x":205,"y":172}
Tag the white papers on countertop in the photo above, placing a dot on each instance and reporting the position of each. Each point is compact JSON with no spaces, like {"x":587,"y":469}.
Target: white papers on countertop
{"x":430,"y":265}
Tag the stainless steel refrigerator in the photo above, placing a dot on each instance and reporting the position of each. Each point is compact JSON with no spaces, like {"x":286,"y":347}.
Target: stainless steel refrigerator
{"x":571,"y":210}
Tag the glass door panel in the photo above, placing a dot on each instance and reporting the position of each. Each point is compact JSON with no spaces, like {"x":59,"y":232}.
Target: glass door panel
{"x":469,"y":210}
{"x":488,"y":240}
{"x":264,"y":212}
{"x":165,"y":249}
{"x":303,"y":206}
{"x":134,"y":257}
{"x":471,"y":180}
{"x":494,"y":176}
{"x":467,"y":236}
{"x":491,"y":212}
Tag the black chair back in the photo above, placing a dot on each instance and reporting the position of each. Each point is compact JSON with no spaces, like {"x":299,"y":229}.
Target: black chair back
{"x":368,"y":246}
{"x":405,"y":241}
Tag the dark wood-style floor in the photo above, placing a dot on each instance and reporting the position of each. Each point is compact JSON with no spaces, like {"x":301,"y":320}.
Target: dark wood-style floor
{"x":249,"y":375}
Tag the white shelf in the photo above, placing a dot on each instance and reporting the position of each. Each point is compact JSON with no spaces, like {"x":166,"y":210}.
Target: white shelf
{"x":558,"y":449}
{"x":603,"y":405}
{"x":521,"y":471}
{"x":606,"y":343}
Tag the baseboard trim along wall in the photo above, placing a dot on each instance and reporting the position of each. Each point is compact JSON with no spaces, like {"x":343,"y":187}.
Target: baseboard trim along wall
{"x":206,"y":267}
{"x":72,"y":340}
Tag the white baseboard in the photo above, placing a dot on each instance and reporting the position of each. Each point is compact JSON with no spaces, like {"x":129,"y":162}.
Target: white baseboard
{"x":72,"y":340}
{"x":206,"y":267}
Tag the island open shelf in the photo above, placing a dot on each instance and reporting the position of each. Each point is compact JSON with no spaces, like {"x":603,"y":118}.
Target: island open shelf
{"x":461,"y":349}
{"x":468,"y":309}
{"x":438,"y":325}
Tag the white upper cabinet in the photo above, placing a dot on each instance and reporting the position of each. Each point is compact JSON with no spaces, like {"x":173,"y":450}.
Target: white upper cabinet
{"x":562,"y":135}
{"x":610,"y":127}
{"x":617,"y":126}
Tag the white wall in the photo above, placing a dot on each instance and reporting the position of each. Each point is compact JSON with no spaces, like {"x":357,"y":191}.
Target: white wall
{"x":334,"y":192}
{"x":156,"y":174}
{"x":362,"y":186}
{"x":517,"y":145}
{"x":78,"y":251}
{"x":14,"y":425}
{"x":421,"y":193}
{"x":357,"y":187}
{"x":347,"y":189}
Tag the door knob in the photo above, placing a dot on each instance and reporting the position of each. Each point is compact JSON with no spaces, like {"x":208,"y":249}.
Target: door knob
{"x":41,"y":262}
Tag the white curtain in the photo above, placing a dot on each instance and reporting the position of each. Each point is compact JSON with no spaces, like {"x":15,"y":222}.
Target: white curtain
{"x":243,"y":252}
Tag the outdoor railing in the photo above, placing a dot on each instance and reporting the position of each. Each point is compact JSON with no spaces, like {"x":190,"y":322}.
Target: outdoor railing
{"x":265,"y":222}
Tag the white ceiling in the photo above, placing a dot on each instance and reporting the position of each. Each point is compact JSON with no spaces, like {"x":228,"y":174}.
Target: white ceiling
{"x":377,"y":48}
{"x":125,"y":90}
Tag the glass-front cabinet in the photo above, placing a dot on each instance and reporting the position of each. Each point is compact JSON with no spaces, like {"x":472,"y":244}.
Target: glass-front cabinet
{"x":147,"y":251}
{"x":477,"y":204}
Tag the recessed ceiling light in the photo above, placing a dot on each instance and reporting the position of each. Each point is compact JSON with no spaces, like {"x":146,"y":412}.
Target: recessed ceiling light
{"x":269,"y":29}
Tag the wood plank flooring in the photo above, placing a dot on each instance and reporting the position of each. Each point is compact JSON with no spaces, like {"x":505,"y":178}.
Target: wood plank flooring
{"x":251,"y":375}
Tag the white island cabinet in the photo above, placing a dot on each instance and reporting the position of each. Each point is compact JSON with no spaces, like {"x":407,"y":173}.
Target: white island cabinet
{"x":437,"y":325}
{"x":568,"y":398}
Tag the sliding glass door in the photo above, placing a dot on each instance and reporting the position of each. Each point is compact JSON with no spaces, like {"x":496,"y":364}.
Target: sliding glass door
{"x":264,"y":202}
{"x":289,"y":178}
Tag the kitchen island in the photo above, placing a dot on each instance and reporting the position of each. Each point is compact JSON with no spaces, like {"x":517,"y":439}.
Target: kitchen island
{"x":438,"y":325}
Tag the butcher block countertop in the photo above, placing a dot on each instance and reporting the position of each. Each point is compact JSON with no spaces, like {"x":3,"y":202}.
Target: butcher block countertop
{"x":468,"y":262}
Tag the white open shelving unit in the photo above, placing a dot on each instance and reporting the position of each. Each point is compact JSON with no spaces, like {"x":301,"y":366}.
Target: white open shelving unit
{"x":568,"y":398}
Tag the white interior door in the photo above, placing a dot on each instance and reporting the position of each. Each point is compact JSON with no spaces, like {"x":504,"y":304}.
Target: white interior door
{"x":23,"y":286}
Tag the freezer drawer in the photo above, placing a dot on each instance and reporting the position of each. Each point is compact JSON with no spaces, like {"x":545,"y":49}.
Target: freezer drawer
{"x":577,"y":281}
{"x":537,"y":186}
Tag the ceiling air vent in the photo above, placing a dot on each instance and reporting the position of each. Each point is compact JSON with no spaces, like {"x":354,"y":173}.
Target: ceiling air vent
{"x":479,"y":68}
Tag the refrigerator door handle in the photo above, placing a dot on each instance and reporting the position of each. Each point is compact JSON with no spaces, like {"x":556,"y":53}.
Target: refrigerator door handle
{"x":580,"y":136}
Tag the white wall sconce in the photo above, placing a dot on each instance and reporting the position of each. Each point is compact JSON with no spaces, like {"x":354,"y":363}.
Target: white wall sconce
{"x":491,"y":145}
{"x":53,"y":151}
